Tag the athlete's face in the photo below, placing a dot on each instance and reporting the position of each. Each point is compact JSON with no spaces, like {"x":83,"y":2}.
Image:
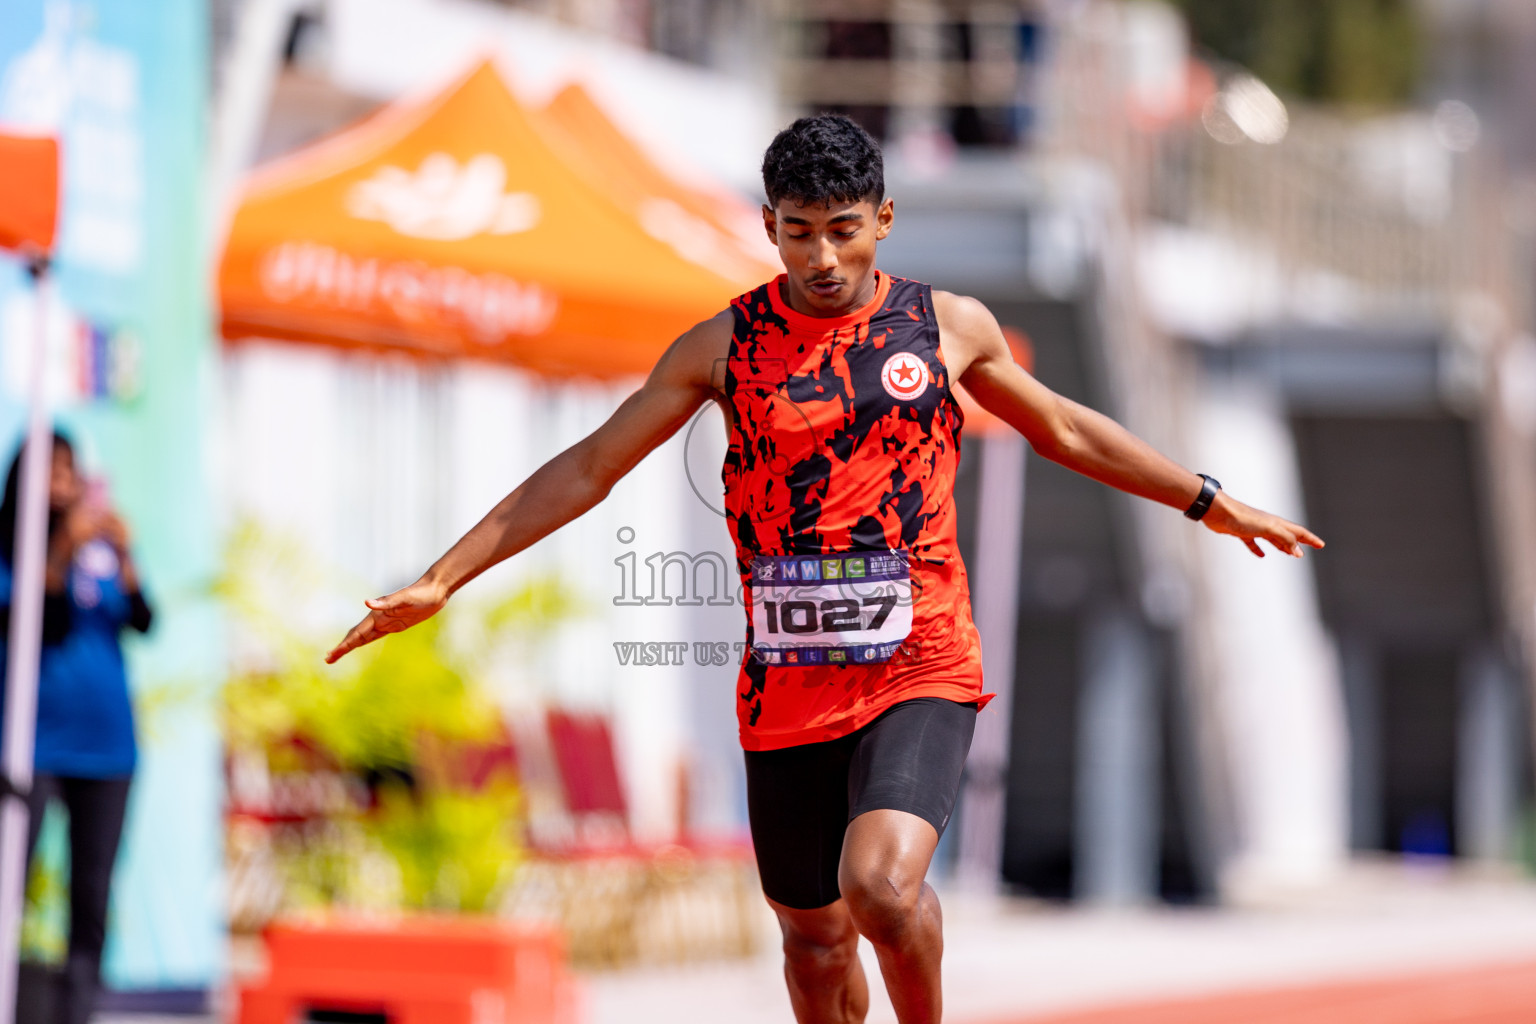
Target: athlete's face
{"x":828,"y":251}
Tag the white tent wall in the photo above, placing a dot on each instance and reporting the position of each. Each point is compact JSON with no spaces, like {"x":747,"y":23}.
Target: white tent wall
{"x":376,"y":464}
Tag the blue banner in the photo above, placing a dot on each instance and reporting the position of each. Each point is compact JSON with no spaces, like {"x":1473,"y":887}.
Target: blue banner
{"x":125,"y":86}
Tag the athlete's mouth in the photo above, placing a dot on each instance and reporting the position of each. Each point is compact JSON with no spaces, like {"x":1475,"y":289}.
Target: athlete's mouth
{"x":825,"y":288}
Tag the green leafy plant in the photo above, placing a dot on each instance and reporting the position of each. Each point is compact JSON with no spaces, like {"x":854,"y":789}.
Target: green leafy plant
{"x":396,"y":718}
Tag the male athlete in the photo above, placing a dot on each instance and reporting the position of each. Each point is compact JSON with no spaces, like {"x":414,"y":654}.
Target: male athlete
{"x":858,"y":700}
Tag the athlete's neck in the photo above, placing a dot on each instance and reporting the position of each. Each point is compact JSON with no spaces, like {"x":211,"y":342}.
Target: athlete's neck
{"x":798,"y":298}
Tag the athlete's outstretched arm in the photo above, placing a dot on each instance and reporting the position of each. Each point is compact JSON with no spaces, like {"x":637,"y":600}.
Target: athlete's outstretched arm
{"x":564,"y":487}
{"x":1086,"y":441}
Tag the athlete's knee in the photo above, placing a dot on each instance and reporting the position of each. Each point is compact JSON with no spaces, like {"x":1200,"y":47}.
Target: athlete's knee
{"x":820,"y":943}
{"x":884,"y":904}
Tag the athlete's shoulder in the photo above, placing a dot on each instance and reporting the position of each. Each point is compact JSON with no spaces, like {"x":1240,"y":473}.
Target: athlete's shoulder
{"x":710,"y":335}
{"x":962,"y":313}
{"x":691,"y":359}
{"x":968,"y":331}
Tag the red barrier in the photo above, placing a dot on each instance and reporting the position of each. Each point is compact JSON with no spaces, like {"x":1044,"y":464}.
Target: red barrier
{"x":414,"y":970}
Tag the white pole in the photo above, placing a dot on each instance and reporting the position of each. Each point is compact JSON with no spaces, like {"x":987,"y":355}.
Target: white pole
{"x":247,"y":77}
{"x":995,"y":604}
{"x":24,"y":648}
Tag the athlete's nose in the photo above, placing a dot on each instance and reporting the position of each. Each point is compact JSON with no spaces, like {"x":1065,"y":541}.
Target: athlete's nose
{"x":823,"y":256}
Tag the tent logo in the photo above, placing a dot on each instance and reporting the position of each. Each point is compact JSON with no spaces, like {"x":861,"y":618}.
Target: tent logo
{"x":491,"y":305}
{"x":443,"y":201}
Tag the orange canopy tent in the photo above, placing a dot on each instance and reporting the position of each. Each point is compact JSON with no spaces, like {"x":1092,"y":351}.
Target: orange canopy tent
{"x":455,"y":227}
{"x":715,"y":224}
{"x":29,"y":193}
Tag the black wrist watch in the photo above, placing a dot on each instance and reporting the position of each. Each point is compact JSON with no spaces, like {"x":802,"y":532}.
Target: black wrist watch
{"x":1202,"y":504}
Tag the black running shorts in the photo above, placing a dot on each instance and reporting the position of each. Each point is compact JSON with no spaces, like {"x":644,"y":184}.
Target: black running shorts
{"x":801,"y":799}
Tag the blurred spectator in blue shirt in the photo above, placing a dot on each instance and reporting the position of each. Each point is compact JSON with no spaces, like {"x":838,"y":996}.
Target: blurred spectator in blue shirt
{"x":85,"y":752}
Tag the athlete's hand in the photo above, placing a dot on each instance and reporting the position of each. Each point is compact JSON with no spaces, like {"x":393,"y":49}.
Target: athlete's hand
{"x":1230,"y":516}
{"x":391,"y":614}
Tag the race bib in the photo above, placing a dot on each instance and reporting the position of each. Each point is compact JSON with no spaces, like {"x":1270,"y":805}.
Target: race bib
{"x":831,"y":609}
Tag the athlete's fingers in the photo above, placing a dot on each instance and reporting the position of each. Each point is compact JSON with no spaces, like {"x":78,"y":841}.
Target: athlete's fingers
{"x":362,"y":633}
{"x":407,"y":601}
{"x":349,"y":643}
{"x":1295,"y":535}
{"x":1253,"y":546}
{"x":1283,"y":535}
{"x":1281,"y":541}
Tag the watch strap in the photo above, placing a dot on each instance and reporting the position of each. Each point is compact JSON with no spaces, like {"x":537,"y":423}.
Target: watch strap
{"x":1202,"y":503}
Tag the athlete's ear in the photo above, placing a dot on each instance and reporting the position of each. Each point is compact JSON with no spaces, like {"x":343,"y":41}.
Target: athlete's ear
{"x":771,"y":224}
{"x":884,"y":217}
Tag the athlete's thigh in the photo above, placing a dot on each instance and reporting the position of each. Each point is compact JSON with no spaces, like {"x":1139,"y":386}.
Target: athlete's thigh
{"x":797,"y":803}
{"x":911,"y":758}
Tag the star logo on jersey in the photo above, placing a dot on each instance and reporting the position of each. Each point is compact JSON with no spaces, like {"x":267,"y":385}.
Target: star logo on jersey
{"x":904,"y":376}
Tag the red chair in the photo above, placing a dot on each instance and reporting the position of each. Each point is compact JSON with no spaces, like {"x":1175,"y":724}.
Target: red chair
{"x":589,"y":771}
{"x":622,"y":901}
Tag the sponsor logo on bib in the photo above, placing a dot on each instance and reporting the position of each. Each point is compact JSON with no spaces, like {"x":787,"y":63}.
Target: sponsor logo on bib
{"x":839,"y":609}
{"x":904,"y":376}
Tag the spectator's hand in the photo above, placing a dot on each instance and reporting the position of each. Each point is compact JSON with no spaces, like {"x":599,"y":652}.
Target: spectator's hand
{"x":83,"y":523}
{"x":391,"y":614}
{"x":114,"y":531}
{"x":1230,"y":516}
{"x":80,"y":526}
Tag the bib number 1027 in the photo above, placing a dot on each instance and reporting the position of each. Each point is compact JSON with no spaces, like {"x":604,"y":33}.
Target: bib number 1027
{"x":834,"y":608}
{"x":832,"y":615}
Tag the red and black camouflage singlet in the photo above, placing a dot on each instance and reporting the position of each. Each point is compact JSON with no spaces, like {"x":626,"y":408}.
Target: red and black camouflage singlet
{"x":839,"y":482}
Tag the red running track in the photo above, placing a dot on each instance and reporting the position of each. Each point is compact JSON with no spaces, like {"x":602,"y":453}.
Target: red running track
{"x":1487,"y":995}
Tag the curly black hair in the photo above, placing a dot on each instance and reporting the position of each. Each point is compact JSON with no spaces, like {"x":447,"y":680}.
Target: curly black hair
{"x":824,"y":159}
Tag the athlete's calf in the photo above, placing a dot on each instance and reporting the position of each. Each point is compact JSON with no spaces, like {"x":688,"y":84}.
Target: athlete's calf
{"x":821,"y":964}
